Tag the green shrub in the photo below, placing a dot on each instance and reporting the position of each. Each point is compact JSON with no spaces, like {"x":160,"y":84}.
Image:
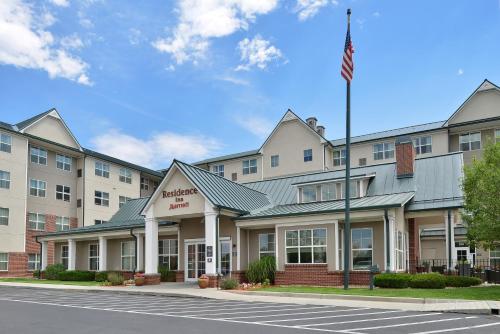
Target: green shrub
{"x":260,"y":270}
{"x":115,"y":278}
{"x":37,"y":274}
{"x":76,"y":275}
{"x":462,"y":281}
{"x":53,"y":270}
{"x":428,"y":281}
{"x":392,"y":280}
{"x":167,"y":275}
{"x":229,"y":284}
{"x":101,"y":276}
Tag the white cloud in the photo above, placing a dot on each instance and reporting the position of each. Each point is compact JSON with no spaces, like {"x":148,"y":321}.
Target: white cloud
{"x":158,"y":150}
{"x":27,"y":43}
{"x":233,"y":80}
{"x":460,"y":71}
{"x":202,"y":20}
{"x":256,"y":125}
{"x":84,"y":21}
{"x":60,"y":3}
{"x":309,"y":8}
{"x":134,"y":36}
{"x":72,"y":42}
{"x":257,"y":52}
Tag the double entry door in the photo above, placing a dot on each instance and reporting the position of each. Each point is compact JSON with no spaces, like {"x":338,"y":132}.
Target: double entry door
{"x":195,"y":256}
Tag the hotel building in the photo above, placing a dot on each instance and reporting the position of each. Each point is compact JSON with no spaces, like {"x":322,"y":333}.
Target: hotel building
{"x":61,"y":203}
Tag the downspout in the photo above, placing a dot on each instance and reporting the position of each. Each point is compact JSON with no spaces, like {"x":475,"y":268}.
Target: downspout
{"x":449,"y":227}
{"x":41,"y":257}
{"x":387,"y":242}
{"x":217,"y":246}
{"x":135,"y":249}
{"x":83,"y":188}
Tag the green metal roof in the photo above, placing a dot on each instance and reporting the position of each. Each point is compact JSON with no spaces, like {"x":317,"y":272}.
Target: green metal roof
{"x":228,"y":157}
{"x":363,"y":203}
{"x":223,"y":192}
{"x":27,"y":122}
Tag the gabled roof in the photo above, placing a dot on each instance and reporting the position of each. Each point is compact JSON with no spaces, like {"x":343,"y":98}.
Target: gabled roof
{"x":27,"y":122}
{"x":219,"y":191}
{"x":484,"y":86}
{"x":363,"y":203}
{"x":392,"y":133}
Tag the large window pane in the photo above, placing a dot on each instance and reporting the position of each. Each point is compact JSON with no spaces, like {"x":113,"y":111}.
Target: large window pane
{"x":305,"y":255}
{"x":292,"y":255}
{"x":308,"y":194}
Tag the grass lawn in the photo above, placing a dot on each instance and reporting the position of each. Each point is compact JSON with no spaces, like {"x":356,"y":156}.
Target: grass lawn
{"x":473,"y":293}
{"x":43,"y":281}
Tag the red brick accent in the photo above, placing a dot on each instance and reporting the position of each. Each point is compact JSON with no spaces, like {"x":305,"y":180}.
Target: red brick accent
{"x":18,"y":266}
{"x":212,"y":281}
{"x":413,"y":244}
{"x":318,"y":274}
{"x":73,"y":223}
{"x":152,"y":279}
{"x":239,"y":275}
{"x":179,"y":276}
{"x":405,"y":158}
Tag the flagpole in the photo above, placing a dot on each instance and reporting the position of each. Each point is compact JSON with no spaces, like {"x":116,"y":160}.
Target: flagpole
{"x":347,"y":220}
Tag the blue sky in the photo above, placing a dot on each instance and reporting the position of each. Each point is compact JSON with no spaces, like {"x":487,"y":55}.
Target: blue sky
{"x":147,"y":81}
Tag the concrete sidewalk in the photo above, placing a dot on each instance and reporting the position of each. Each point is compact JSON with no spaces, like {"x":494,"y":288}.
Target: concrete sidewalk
{"x":192,"y":290}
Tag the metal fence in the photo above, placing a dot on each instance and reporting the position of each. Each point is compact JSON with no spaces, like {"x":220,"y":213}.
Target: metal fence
{"x":488,"y":270}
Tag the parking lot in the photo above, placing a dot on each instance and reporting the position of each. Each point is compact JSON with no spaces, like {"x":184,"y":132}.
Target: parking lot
{"x":191,"y":314}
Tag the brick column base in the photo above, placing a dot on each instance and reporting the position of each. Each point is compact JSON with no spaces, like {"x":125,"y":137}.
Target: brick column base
{"x":239,"y":275}
{"x":179,"y":276}
{"x":413,"y":245}
{"x":152,"y":279}
{"x":319,"y":275}
{"x":212,"y":281}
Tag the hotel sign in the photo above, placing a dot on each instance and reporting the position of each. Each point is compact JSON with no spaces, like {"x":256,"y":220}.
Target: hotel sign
{"x":178,"y":196}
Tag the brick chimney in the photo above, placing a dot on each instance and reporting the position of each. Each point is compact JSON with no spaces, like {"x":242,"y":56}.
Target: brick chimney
{"x":405,"y":157}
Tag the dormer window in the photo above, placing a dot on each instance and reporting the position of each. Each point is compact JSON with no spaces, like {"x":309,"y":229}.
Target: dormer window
{"x":309,"y":194}
{"x":327,"y":191}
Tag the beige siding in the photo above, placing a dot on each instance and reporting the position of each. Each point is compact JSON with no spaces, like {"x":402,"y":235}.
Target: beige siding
{"x":487,"y":136}
{"x":12,"y":236}
{"x":236,"y":166}
{"x":253,"y":241}
{"x":53,"y":129}
{"x":483,"y":105}
{"x":193,"y":228}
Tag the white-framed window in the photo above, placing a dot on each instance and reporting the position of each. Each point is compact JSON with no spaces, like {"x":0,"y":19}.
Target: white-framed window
{"x":4,"y":179}
{"x":38,"y":155}
{"x":497,"y":135}
{"x":309,"y":194}
{"x":353,"y":191}
{"x":38,"y":188}
{"x":62,"y":223}
{"x":275,"y":160}
{"x":249,"y":166}
{"x":308,"y":155}
{"x":125,"y":175}
{"x":4,"y":216}
{"x":63,"y":193}
{"x":341,"y":247}
{"x":36,"y":221}
{"x":155,"y":185}
{"x":168,"y":253}
{"x":64,"y":255}
{"x":93,"y":256}
{"x":399,"y":250}
{"x":339,"y":157}
{"x":144,"y":183}
{"x":101,"y":198}
{"x":5,"y":143}
{"x":423,"y":144}
{"x":266,"y":244}
{"x":99,"y":221}
{"x":362,"y":248}
{"x":102,"y":169}
{"x":218,"y":170}
{"x":127,"y":255}
{"x":383,"y":151}
{"x":306,"y":246}
{"x":328,"y":191}
{"x":470,"y":141}
{"x":33,"y":261}
{"x":122,"y":200}
{"x":4,"y":261}
{"x":64,"y":162}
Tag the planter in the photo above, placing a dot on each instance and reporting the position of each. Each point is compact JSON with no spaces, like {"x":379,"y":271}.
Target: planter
{"x":203,"y":281}
{"x":139,"y":280}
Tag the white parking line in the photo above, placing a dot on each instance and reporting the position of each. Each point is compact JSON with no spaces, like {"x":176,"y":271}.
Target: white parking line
{"x":300,"y":313}
{"x":458,"y":328}
{"x":331,"y":316}
{"x":353,"y":330}
{"x":374,"y":319}
{"x":274,"y":310}
{"x":194,"y":309}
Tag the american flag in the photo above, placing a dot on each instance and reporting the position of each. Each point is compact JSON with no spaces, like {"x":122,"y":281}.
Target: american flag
{"x":347,"y":63}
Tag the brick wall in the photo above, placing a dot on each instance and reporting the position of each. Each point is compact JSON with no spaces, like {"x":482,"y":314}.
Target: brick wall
{"x":318,"y":274}
{"x":413,"y":244}
{"x":239,"y":275}
{"x":179,"y":276}
{"x":405,"y":158}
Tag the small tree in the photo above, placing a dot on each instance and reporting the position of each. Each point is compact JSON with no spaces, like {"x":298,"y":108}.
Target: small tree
{"x":481,"y":187}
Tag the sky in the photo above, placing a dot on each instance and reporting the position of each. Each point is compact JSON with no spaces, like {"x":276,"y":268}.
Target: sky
{"x":149,"y":81}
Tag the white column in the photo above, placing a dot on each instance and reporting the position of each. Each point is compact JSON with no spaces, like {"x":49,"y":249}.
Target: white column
{"x":238,"y":248}
{"x":71,"y":254}
{"x":336,"y":248}
{"x":45,"y":254}
{"x":210,"y":238}
{"x":392,"y":243}
{"x":103,"y":254}
{"x":449,"y":231}
{"x":140,"y":252}
{"x":151,"y":245}
{"x":276,"y":248}
{"x":389,"y":228}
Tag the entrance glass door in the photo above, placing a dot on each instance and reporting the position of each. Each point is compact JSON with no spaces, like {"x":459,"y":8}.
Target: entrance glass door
{"x":195,"y":264}
{"x":225,"y":258}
